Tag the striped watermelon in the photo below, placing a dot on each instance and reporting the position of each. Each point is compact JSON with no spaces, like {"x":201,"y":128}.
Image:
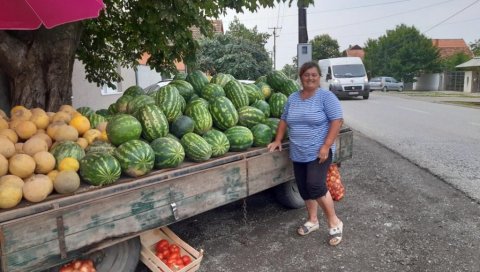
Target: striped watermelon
{"x":276,"y":79}
{"x":200,"y":115}
{"x":240,"y":138}
{"x":196,"y":148}
{"x":212,"y":90}
{"x":236,"y":93}
{"x":168,"y":152}
{"x":261,"y":79}
{"x":139,"y":101}
{"x":112,"y":109}
{"x":153,"y":121}
{"x":262,"y":135}
{"x":85,"y":111}
{"x":100,"y":169}
{"x":277,"y":103}
{"x":249,"y":116}
{"x":122,"y":128}
{"x":221,"y":79}
{"x":263,"y":106}
{"x":290,"y":86}
{"x":183,"y":104}
{"x":224,"y":114}
{"x":136,"y":157}
{"x":218,"y":141}
{"x":122,"y":103}
{"x":133,"y":91}
{"x":184,"y":88}
{"x":102,"y":112}
{"x":254,"y":93}
{"x":198,"y":79}
{"x":182,"y":125}
{"x":173,"y":137}
{"x":64,"y":149}
{"x":273,"y":124}
{"x":168,"y":99}
{"x":265,"y":88}
{"x":96,"y":119}
{"x":100,"y":147}
{"x":198,"y":99}
{"x":180,"y":76}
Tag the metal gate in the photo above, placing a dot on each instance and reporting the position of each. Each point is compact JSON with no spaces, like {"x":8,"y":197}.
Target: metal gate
{"x":454,"y":81}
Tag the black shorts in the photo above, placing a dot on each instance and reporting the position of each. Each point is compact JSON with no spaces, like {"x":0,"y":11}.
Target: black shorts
{"x":311,"y":178}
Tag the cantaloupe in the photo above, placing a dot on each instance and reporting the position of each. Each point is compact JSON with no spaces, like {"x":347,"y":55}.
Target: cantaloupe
{"x":52,"y":175}
{"x":3,"y":123}
{"x":91,"y":135}
{"x":80,"y":123}
{"x":11,"y":179}
{"x":62,"y":116}
{"x":7,"y":148}
{"x":41,"y":120}
{"x":14,"y":123}
{"x":10,"y":134}
{"x":21,"y":165}
{"x":19,"y":148}
{"x":82,"y":142}
{"x":37,"y":188}
{"x":25,"y":129}
{"x":10,"y":196}
{"x":44,"y":162}
{"x":66,"y":182}
{"x":16,"y":108}
{"x":21,"y":114}
{"x":3,"y":165}
{"x":34,"y":145}
{"x":53,"y":127}
{"x":66,"y":133}
{"x":3,"y":115}
{"x":67,"y":108}
{"x":44,"y":137}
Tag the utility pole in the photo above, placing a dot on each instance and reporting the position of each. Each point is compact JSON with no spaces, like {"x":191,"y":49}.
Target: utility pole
{"x":274,"y":44}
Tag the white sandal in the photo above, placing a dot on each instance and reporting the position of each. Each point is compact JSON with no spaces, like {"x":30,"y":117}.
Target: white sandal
{"x":307,"y":228}
{"x":335,"y":234}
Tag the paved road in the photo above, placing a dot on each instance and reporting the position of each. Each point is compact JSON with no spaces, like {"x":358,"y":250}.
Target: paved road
{"x":442,"y":138}
{"x":398,"y":217}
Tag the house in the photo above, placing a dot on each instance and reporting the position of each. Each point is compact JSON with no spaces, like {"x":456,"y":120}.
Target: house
{"x":89,"y":94}
{"x":450,"y":47}
{"x":472,"y":75}
{"x":354,"y":51}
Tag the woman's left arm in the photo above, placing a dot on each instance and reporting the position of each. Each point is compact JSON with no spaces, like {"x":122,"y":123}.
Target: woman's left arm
{"x":333,"y":131}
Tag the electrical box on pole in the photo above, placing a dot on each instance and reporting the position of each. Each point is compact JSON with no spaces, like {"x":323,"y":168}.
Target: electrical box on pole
{"x":304,"y":53}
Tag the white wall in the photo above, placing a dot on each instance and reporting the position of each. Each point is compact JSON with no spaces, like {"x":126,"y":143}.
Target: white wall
{"x":467,"y":82}
{"x":147,"y":76}
{"x":429,"y":82}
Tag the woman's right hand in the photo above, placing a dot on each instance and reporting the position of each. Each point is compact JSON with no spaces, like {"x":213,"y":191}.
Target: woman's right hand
{"x":274,"y":145}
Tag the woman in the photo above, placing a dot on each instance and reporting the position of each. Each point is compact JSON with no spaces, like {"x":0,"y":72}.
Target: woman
{"x":313,"y":117}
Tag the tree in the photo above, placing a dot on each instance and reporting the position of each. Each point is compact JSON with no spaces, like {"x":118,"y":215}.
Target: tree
{"x":324,"y":47}
{"x":233,"y":55}
{"x":475,"y":47}
{"x":448,"y":64}
{"x":403,"y":53}
{"x":239,"y":30}
{"x":39,"y":63}
{"x":291,"y":70}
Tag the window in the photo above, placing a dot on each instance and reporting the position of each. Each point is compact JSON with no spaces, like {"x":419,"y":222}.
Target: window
{"x":105,"y":90}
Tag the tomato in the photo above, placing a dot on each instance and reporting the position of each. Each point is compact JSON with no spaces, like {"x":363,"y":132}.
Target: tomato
{"x":161,"y":244}
{"x":165,"y":252}
{"x":174,"y":248}
{"x":186,"y":259}
{"x":170,"y":261}
{"x":159,"y":255}
{"x":179,"y":261}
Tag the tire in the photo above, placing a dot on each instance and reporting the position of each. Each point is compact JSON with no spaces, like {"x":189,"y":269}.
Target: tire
{"x":400,"y":89}
{"x":385,"y":89}
{"x":366,"y":96}
{"x":287,"y":194}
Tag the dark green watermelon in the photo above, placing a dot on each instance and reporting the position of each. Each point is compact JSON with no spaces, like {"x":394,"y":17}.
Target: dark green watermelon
{"x":262,"y":135}
{"x":136,"y":157}
{"x":196,"y":148}
{"x":169,"y":153}
{"x":240,"y":138}
{"x":99,"y":169}
{"x":122,"y":128}
{"x":182,"y":125}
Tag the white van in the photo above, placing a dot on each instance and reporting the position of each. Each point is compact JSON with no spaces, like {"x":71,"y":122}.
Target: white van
{"x":345,"y":77}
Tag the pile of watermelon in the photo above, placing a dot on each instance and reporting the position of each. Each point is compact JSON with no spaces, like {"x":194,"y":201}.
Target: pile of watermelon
{"x":192,"y":118}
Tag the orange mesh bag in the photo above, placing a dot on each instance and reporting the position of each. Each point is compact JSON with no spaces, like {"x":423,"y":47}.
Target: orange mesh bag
{"x":334,"y":182}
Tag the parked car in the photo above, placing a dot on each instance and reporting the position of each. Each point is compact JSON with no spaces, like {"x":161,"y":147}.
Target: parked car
{"x":386,"y":84}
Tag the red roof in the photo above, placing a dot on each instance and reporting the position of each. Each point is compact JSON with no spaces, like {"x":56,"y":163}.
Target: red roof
{"x":449,"y":47}
{"x":354,"y":51}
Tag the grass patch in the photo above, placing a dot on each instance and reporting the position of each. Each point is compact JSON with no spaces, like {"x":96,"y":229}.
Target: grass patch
{"x":440,"y":94}
{"x":464,"y":103}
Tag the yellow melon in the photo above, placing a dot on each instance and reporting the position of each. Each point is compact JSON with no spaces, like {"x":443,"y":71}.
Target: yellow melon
{"x":38,"y":111}
{"x":14,"y":123}
{"x":10,"y":134}
{"x":81,"y":124}
{"x":21,"y":165}
{"x":3,"y":123}
{"x":66,"y":182}
{"x":102,"y":126}
{"x":68,"y":108}
{"x":19,"y":148}
{"x":11,"y":179}
{"x":34,"y":145}
{"x":16,"y":108}
{"x":41,"y":120}
{"x":75,"y":114}
{"x":44,"y":162}
{"x":68,"y":163}
{"x":22,"y":114}
{"x":3,"y":115}
{"x":25,"y":129}
{"x":52,"y":128}
{"x":7,"y":148}
{"x":62,"y":116}
{"x":91,"y":135}
{"x":44,"y":137}
{"x":64,"y":133}
{"x":50,"y":115}
{"x":52,"y":175}
{"x":3,"y":165}
{"x":82,"y":142}
{"x":10,"y":196}
{"x":37,"y":188}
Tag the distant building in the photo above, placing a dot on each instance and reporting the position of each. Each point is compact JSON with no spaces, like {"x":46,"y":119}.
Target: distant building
{"x":450,"y":47}
{"x":354,"y":51}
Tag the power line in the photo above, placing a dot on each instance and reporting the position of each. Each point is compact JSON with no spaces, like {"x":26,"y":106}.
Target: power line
{"x":274,"y":45}
{"x":451,"y":16}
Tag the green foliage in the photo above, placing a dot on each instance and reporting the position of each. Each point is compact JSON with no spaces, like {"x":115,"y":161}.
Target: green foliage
{"x":475,"y":47}
{"x":127,"y":29}
{"x":239,"y":30}
{"x":324,"y":47}
{"x":448,"y":64}
{"x":291,"y":70}
{"x":403,"y":53}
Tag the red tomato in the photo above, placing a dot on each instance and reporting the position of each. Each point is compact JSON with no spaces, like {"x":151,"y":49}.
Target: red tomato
{"x":161,"y":244}
{"x":174,"y":255}
{"x":170,"y":261}
{"x":186,"y":259}
{"x":159,"y":255}
{"x":174,"y":248}
{"x":178,"y":261}
{"x":165,"y":252}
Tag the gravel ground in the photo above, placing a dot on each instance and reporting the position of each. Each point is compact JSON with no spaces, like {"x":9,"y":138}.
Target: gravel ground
{"x":397,"y":217}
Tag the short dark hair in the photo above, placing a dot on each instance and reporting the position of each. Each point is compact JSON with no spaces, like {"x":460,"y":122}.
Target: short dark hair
{"x":308,"y":65}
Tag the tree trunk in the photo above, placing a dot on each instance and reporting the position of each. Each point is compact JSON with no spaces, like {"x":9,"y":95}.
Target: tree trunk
{"x":39,"y":65}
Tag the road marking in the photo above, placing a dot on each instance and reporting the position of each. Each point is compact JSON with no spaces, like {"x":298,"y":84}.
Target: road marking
{"x":415,"y":110}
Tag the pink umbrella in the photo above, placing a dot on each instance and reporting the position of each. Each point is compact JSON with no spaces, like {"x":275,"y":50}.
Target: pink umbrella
{"x":31,"y":14}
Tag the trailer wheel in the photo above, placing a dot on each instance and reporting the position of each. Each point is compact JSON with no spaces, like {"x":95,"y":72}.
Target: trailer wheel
{"x":123,"y":256}
{"x":287,"y":194}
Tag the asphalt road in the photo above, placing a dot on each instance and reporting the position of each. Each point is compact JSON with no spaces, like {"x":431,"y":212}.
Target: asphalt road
{"x":397,"y":216}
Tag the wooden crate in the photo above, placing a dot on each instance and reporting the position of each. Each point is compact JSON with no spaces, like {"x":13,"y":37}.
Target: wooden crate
{"x":147,"y":255}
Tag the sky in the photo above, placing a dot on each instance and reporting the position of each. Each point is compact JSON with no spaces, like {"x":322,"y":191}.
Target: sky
{"x":354,"y":22}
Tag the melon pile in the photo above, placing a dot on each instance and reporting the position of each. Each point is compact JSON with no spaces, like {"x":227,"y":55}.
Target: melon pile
{"x":193,"y":118}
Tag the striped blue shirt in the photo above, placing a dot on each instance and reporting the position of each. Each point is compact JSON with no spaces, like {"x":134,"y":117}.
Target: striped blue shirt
{"x":308,"y":122}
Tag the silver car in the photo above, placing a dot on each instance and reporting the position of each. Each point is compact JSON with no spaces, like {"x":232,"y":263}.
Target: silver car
{"x":385,"y":84}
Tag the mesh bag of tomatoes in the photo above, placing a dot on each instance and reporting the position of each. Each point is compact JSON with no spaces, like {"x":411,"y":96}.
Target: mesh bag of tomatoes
{"x":79,"y":266}
{"x":171,"y":255}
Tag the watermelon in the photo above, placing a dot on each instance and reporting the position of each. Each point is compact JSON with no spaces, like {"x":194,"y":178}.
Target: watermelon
{"x":184,"y":88}
{"x":276,"y":79}
{"x":221,"y":79}
{"x":133,"y":91}
{"x":265,"y":88}
{"x":183,"y":104}
{"x":196,"y":148}
{"x":122,"y":128}
{"x":261,"y":79}
{"x":218,"y":141}
{"x":180,"y":76}
{"x":200,"y":115}
{"x":96,"y":119}
{"x":239,"y":137}
{"x":224,"y":114}
{"x":197,"y":99}
{"x":122,"y":103}
{"x":277,"y":103}
{"x":290,"y":86}
{"x":235,"y":91}
{"x":168,"y":99}
{"x":198,"y":79}
{"x":100,"y":147}
{"x":262,"y":135}
{"x":249,"y":116}
{"x":153,"y":121}
{"x":168,"y":152}
{"x":254,"y":93}
{"x":273,"y":124}
{"x":102,"y":112}
{"x":263,"y":106}
{"x":182,"y":125}
{"x":112,"y":109}
{"x":64,"y":149}
{"x":138,"y":102}
{"x":136,"y":157}
{"x":100,"y":169}
{"x":173,"y":137}
{"x":85,"y":111}
{"x":212,"y":90}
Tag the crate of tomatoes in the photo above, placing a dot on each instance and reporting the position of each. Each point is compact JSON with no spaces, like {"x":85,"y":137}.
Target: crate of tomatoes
{"x":163,"y":250}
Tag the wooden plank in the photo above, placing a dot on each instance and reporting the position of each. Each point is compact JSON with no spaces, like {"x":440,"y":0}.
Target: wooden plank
{"x":268,"y":170}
